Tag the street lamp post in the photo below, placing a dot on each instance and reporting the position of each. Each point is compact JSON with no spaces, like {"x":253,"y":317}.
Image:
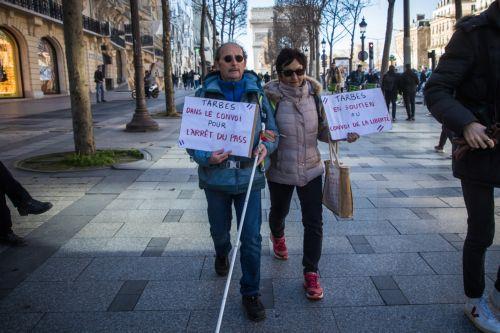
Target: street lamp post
{"x":362,"y":30}
{"x":323,"y":62}
{"x":141,"y":121}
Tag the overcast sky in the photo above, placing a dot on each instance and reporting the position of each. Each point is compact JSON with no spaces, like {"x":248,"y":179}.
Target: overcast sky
{"x":375,"y":17}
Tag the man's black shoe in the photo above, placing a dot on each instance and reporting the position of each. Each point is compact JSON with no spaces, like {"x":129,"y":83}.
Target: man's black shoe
{"x":33,"y":206}
{"x":104,"y":100}
{"x":12,"y":239}
{"x":221,"y":265}
{"x":254,"y":307}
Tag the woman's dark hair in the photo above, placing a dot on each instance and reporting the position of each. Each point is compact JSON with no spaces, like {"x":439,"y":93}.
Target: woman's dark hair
{"x":287,"y":56}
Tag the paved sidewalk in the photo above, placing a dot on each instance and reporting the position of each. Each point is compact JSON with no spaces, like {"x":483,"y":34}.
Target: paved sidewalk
{"x":130,"y":251}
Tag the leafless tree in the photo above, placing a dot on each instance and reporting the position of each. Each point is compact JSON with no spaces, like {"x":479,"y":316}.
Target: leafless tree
{"x":388,"y":36}
{"x":334,"y":15}
{"x":83,"y":133}
{"x":354,"y":9}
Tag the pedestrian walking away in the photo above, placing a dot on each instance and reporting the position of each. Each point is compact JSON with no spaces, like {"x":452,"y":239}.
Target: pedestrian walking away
{"x":296,"y":164}
{"x":225,"y":178}
{"x":390,"y":89}
{"x":409,"y":83}
{"x":463,"y":93}
{"x":22,"y":200}
{"x":99,"y":84}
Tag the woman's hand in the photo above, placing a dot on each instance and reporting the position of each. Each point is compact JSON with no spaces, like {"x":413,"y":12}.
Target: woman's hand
{"x":351,"y":137}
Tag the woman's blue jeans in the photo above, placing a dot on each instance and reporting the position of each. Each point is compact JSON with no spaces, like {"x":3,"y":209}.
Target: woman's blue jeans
{"x":220,"y":216}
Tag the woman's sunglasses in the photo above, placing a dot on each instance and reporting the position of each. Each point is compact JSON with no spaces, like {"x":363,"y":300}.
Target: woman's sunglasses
{"x":229,"y":58}
{"x":298,"y":72}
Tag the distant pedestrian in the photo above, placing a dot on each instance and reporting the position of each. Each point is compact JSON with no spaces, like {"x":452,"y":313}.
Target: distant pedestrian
{"x":463,"y":93}
{"x":390,"y":89}
{"x":185,"y":80}
{"x":99,"y":84}
{"x":334,"y":78}
{"x":422,"y":79}
{"x":148,"y":82}
{"x":196,"y":80}
{"x":267,"y":77}
{"x":409,"y":83}
{"x":372,"y":78}
{"x":22,"y":200}
{"x":356,"y":79}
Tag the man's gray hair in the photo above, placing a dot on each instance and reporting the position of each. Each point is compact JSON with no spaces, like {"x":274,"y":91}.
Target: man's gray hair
{"x":218,"y":52}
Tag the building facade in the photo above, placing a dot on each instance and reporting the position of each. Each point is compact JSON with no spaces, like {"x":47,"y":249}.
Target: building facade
{"x":420,"y":38}
{"x":261,"y":25}
{"x":443,"y":23}
{"x":182,"y":36}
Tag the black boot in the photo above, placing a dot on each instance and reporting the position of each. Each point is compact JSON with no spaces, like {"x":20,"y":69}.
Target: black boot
{"x":12,"y":239}
{"x":33,"y":206}
{"x":254,"y":307}
{"x":221,"y":265}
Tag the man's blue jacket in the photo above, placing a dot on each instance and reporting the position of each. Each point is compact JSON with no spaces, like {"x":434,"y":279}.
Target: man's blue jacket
{"x":235,"y":181}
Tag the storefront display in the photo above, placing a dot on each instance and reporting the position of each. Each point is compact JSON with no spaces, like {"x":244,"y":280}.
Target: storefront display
{"x":48,"y":67}
{"x":10,"y":84}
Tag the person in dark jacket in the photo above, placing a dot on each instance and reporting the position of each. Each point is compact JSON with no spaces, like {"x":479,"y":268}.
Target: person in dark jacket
{"x":409,"y":83}
{"x":390,"y":89}
{"x":99,"y":84}
{"x":225,"y":177}
{"x":22,"y":200}
{"x":356,"y":79}
{"x":463,"y":93}
{"x":422,"y":79}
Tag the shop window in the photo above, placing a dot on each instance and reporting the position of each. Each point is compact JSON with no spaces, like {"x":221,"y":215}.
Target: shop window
{"x":10,"y":80}
{"x":47,"y":62}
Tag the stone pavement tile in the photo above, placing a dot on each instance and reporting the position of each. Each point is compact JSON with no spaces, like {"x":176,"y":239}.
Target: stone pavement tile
{"x":407,"y":202}
{"x":123,"y":302}
{"x":445,"y":318}
{"x":454,"y":201}
{"x":393,"y":297}
{"x":176,"y":185}
{"x":384,"y":282}
{"x":60,"y":296}
{"x":189,"y":246}
{"x":451,"y":262}
{"x":331,"y":245}
{"x":358,"y":227}
{"x":130,"y":216}
{"x":440,"y":184}
{"x":59,"y":269}
{"x":318,"y":320}
{"x":187,"y":294}
{"x":174,"y":204}
{"x":385,"y":214}
{"x":89,"y":205}
{"x":363,"y":248}
{"x":409,"y":243}
{"x":194,"y":216}
{"x":99,"y":230}
{"x":143,"y":268}
{"x":352,"y":291}
{"x":457,"y":214}
{"x":19,"y":322}
{"x":362,"y":202}
{"x":164,"y":230}
{"x":430,"y":289}
{"x":99,"y":247}
{"x":125,"y":204}
{"x":115,"y":182}
{"x":143,"y":186}
{"x":119,"y":322}
{"x":433,"y":192}
{"x":430,"y":226}
{"x":148,"y":194}
{"x":373,"y":264}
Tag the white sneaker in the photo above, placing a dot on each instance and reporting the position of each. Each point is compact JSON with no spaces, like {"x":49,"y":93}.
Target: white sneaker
{"x":479,"y":312}
{"x":495,"y":299}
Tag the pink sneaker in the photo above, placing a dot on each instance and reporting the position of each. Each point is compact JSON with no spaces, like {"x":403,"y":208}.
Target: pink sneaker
{"x":313,"y":289}
{"x":279,"y":248}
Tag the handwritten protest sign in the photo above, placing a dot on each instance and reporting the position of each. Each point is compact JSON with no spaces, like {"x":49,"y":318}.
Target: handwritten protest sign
{"x":212,"y":124}
{"x":362,"y":112}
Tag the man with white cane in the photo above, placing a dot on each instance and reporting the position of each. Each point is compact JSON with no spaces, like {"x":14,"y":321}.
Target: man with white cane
{"x":226,"y":178}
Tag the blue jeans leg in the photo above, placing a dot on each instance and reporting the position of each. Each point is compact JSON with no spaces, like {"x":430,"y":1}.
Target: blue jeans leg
{"x":250,"y":242}
{"x":219,"y":217}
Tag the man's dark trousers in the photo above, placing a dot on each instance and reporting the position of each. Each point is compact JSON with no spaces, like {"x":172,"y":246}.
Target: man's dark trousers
{"x":409,"y":99}
{"x":391,"y":97}
{"x":16,"y":193}
{"x":479,"y":200}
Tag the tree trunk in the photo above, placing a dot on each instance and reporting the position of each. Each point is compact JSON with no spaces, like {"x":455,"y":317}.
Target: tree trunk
{"x":316,"y":40}
{"x":223,"y":22}
{"x":214,"y":28}
{"x":83,"y":133}
{"x":458,"y":9}
{"x":388,"y":37}
{"x":202,"y":39}
{"x":351,"y":55}
{"x":167,"y":60}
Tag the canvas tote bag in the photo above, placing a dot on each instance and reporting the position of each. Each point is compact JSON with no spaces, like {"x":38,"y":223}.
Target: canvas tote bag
{"x":337,"y":194}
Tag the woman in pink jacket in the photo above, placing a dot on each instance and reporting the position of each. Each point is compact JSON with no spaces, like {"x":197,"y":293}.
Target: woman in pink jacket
{"x":296,"y":163}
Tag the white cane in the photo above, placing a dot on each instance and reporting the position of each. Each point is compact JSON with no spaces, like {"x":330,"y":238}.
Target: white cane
{"x":235,"y":250}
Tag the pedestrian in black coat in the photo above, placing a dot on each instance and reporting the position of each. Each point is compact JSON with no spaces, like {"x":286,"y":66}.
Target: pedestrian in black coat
{"x":463,"y":93}
{"x":390,"y":89}
{"x":409,"y":83}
